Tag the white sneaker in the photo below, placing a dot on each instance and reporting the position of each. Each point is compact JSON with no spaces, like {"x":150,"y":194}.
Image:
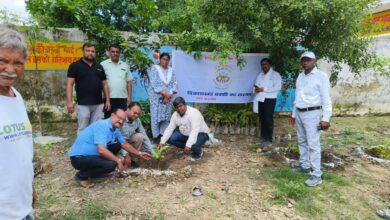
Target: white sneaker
{"x":196,"y":158}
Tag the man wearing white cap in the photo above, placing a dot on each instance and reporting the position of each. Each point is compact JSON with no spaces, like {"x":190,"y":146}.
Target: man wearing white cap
{"x":311,"y":95}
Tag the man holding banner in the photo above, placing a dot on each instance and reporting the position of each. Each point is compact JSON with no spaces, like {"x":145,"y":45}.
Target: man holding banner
{"x":267,"y":86}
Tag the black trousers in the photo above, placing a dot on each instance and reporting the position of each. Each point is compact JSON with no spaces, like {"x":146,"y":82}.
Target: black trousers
{"x":95,"y":166}
{"x":115,"y":104}
{"x":266,"y":115}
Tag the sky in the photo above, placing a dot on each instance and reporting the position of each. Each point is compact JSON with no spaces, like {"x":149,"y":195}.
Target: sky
{"x":15,"y":6}
{"x":19,"y":6}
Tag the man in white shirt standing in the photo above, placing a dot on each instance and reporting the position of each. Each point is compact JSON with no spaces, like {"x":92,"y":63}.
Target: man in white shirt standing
{"x":17,"y":195}
{"x":118,"y":79}
{"x":193,"y":131}
{"x":311,"y":95}
{"x":267,"y":85}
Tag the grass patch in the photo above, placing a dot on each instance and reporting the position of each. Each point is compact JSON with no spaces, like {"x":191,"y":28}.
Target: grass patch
{"x":253,"y":147}
{"x":336,"y":180}
{"x":91,"y":211}
{"x":212,"y":195}
{"x":361,"y":179}
{"x":120,"y":190}
{"x":290,"y":185}
{"x":161,"y":215}
{"x":347,"y":137}
{"x":133,"y":183}
{"x":309,"y":206}
{"x":48,"y":200}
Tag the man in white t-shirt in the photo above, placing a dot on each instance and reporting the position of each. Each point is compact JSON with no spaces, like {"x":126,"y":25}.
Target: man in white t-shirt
{"x":17,"y":195}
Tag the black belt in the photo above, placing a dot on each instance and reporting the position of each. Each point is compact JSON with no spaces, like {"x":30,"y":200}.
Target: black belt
{"x":309,"y":109}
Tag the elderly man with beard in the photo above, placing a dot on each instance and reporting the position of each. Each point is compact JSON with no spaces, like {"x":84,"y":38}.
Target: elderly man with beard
{"x":95,"y":150}
{"x":17,"y":195}
{"x":90,"y":80}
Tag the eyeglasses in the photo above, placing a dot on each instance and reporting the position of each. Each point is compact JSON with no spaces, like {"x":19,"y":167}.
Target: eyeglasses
{"x":123,"y":119}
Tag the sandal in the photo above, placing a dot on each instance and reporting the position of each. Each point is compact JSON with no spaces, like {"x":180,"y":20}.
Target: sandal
{"x":196,"y":191}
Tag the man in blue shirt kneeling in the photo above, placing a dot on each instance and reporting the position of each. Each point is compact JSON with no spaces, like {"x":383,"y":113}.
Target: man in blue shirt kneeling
{"x":94,"y":152}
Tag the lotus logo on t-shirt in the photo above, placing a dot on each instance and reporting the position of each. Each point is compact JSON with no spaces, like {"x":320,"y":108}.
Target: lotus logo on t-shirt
{"x":12,"y":132}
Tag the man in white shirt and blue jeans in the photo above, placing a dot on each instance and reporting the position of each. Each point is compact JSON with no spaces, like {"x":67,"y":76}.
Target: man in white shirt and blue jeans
{"x":193,"y":131}
{"x":312,"y":95}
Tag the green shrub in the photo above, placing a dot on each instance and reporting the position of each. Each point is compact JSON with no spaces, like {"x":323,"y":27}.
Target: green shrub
{"x":381,"y":151}
{"x":145,"y":115}
{"x":231,"y":114}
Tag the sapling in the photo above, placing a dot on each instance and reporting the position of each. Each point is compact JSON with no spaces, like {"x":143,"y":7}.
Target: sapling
{"x":159,"y":152}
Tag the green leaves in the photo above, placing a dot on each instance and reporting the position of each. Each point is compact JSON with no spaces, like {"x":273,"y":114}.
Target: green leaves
{"x":226,"y":27}
{"x":159,"y":152}
{"x":381,"y":151}
{"x":100,"y":21}
{"x":231,"y":114}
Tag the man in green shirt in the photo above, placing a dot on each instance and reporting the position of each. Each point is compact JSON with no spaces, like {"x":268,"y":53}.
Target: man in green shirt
{"x":119,"y":80}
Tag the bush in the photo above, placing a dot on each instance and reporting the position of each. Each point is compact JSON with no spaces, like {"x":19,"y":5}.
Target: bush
{"x":145,"y":115}
{"x":231,"y":114}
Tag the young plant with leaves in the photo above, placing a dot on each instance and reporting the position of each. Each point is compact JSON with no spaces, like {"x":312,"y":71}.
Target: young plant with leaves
{"x":159,"y":152}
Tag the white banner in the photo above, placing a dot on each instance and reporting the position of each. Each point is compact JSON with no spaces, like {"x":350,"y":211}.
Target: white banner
{"x":206,"y":81}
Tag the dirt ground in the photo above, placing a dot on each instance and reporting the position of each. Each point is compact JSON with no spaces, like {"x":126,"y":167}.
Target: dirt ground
{"x":234,"y":177}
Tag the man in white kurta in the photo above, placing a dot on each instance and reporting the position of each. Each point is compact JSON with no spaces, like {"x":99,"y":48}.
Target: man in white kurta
{"x":17,"y":195}
{"x":312,"y":97}
{"x":267,"y":85}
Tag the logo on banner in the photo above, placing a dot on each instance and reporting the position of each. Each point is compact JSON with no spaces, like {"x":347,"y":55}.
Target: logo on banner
{"x":223,"y":79}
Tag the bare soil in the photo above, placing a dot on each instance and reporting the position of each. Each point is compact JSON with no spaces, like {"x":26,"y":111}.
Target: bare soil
{"x":233,"y":176}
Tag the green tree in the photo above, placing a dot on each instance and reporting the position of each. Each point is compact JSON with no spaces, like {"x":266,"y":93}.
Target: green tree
{"x":226,"y":27}
{"x":99,"y":20}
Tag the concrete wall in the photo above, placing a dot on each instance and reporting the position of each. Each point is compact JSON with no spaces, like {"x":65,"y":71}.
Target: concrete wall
{"x":52,"y":84}
{"x":364,"y":94}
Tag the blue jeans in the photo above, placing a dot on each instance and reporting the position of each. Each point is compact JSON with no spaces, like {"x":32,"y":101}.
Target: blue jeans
{"x":91,"y":166}
{"x":179,"y":140}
